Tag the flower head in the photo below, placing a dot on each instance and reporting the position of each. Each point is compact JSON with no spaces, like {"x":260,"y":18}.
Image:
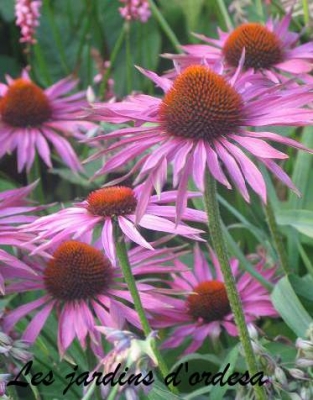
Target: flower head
{"x":109,"y":205}
{"x":204,"y":309}
{"x":204,"y":122}
{"x":27,"y":18}
{"x":80,"y":283}
{"x":271,"y":48}
{"x":135,"y":10}
{"x":31,"y":117}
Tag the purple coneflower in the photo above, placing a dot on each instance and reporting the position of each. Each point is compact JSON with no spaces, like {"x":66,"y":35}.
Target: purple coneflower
{"x":204,"y":309}
{"x":30,"y":117}
{"x":14,"y":210}
{"x":81,"y":285}
{"x":271,"y":48}
{"x":203,"y":122}
{"x":117,"y":203}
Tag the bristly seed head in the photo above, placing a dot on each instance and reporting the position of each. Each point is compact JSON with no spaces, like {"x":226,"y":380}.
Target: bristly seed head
{"x":263,"y":48}
{"x":77,"y":271}
{"x":208,"y":302}
{"x":200,"y":105}
{"x":112,"y":201}
{"x":24,"y":104}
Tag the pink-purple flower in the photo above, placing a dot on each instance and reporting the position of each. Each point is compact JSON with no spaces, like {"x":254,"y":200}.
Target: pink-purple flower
{"x":115,"y":203}
{"x":200,"y":306}
{"x":271,"y":48}
{"x":80,"y":284}
{"x":31,"y":118}
{"x":205,"y":121}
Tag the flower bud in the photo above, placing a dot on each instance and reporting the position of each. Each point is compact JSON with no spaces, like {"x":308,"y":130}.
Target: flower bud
{"x":304,"y":363}
{"x":281,"y":376}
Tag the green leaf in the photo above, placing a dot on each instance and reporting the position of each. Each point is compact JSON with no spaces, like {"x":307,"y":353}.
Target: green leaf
{"x":217,"y":392}
{"x":7,"y":10}
{"x":289,"y":307}
{"x":302,"y":220}
{"x":161,"y":392}
{"x":192,"y":9}
{"x":302,"y":286}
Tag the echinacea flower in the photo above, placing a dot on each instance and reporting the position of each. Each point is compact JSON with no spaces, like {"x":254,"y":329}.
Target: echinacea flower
{"x":14,"y":210}
{"x":81,"y":285}
{"x":115,"y":203}
{"x":31,"y":117}
{"x":271,"y":48}
{"x":204,"y":122}
{"x":203,"y":309}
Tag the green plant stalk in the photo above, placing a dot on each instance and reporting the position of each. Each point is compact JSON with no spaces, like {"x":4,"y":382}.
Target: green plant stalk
{"x":215,"y":229}
{"x":115,"y":51}
{"x":33,"y":175}
{"x":129,"y":63}
{"x":306,"y":12}
{"x":164,"y":26}
{"x":260,"y":11}
{"x":122,"y":256}
{"x":225,"y":14}
{"x":271,"y":221}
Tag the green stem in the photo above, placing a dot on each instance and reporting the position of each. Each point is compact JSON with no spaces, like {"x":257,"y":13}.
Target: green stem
{"x":129,"y":63}
{"x":32,"y":176}
{"x":122,"y":256}
{"x":276,"y":236}
{"x":114,"y":54}
{"x":260,"y":11}
{"x":165,"y":26}
{"x":225,"y":14}
{"x":215,"y":229}
{"x":306,"y":12}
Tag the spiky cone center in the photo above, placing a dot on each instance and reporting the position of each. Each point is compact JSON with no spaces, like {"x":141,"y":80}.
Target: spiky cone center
{"x":263,"y":49}
{"x":77,"y":271}
{"x":112,"y":201}
{"x":200,"y":105}
{"x":25,"y":104}
{"x":208,"y":302}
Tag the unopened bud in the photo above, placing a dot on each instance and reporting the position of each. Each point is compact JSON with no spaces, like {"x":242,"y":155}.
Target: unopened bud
{"x":305,"y":345}
{"x":90,"y":94}
{"x":304,"y":363}
{"x":281,"y":376}
{"x":297,"y":373}
{"x":306,"y":393}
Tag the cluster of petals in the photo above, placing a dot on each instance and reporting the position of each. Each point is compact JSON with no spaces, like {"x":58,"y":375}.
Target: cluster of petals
{"x":255,"y":299}
{"x":27,"y":18}
{"x":32,"y":118}
{"x":77,"y":221}
{"x":14,"y":210}
{"x":135,"y":10}
{"x":293,"y":58}
{"x":154,"y":148}
{"x":77,"y":318}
